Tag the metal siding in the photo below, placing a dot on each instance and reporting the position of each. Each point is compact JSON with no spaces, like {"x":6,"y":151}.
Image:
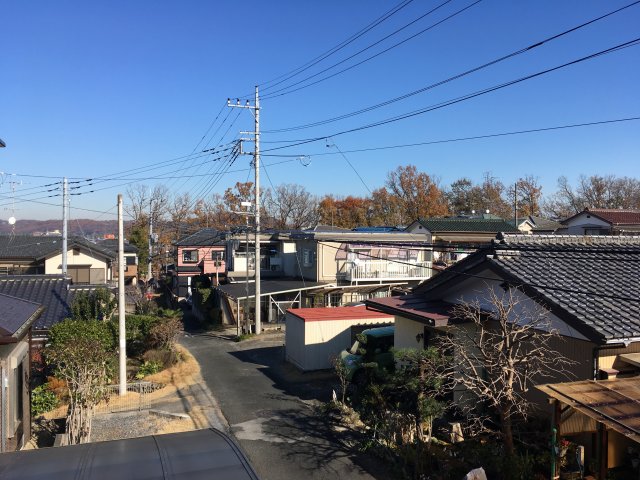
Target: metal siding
{"x":294,"y":340}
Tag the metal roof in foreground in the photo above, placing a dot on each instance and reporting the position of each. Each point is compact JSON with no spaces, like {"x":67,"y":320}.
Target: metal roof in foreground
{"x":268,"y":287}
{"x":200,"y":454}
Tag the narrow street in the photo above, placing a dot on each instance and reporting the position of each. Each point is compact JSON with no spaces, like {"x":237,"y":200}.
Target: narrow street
{"x":269,"y":407}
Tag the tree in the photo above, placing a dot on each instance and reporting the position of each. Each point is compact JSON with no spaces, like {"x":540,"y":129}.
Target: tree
{"x":83,"y":352}
{"x":99,"y":304}
{"x":417,"y":194}
{"x":291,"y":206}
{"x":500,"y":351}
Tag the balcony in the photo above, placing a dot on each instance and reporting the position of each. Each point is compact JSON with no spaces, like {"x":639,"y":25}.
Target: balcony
{"x":382,"y":270}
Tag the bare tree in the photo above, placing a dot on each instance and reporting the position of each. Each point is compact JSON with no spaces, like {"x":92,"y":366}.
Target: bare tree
{"x":501,"y":349}
{"x":180,"y":212}
{"x":292,"y":206}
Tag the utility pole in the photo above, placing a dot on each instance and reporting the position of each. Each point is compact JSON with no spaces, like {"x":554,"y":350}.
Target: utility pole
{"x":256,"y":162}
{"x":515,"y":204}
{"x":150,"y":242}
{"x":121,"y":303}
{"x":65,"y":220}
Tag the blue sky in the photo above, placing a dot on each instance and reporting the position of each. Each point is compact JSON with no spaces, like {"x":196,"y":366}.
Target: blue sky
{"x":94,"y":89}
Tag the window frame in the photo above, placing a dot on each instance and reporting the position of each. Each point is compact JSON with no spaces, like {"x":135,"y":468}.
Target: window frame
{"x":184,"y":259}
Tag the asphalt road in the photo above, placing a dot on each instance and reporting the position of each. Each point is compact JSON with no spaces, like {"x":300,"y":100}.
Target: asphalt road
{"x":270,"y":409}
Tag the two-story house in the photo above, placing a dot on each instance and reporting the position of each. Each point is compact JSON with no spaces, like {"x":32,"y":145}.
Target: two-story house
{"x":130,"y":260}
{"x":202,"y":253}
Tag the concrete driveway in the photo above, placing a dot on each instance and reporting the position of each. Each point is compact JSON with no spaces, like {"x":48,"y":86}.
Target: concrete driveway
{"x":269,"y":406}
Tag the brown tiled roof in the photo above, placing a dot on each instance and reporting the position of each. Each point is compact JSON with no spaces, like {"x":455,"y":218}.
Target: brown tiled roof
{"x":617,"y":216}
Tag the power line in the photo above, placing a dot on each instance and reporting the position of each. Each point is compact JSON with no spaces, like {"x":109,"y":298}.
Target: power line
{"x":455,"y":77}
{"x":335,"y":49}
{"x":464,"y":139}
{"x":286,"y":91}
{"x":466,"y":97}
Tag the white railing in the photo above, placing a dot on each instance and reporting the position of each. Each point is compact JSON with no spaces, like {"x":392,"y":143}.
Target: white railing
{"x":382,"y":269}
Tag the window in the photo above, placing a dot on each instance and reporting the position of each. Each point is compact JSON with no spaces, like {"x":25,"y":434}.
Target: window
{"x":307,"y":257}
{"x":190,"y":256}
{"x":217,"y":256}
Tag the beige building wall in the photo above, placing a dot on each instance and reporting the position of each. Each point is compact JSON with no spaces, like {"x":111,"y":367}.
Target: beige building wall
{"x":53,"y":265}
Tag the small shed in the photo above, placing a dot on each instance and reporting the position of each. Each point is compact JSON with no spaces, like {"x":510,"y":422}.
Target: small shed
{"x":314,"y":336}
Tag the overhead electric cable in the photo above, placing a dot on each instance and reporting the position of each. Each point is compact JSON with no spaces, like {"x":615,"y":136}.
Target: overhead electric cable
{"x":630,"y":43}
{"x":286,"y":91}
{"x":334,"y":50}
{"x":455,"y":77}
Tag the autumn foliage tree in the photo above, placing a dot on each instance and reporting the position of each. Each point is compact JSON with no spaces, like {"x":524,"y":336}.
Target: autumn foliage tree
{"x":417,"y":194}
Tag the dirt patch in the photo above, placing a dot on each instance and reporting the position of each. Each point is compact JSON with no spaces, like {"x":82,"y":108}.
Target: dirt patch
{"x":176,"y":396}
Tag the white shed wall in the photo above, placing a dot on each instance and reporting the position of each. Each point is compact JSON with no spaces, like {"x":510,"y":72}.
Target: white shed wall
{"x":313,"y":345}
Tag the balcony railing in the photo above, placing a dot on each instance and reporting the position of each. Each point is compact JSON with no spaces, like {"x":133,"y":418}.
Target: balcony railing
{"x":386,"y":270}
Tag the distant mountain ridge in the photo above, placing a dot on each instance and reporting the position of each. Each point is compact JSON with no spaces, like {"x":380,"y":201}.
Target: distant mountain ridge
{"x":84,"y":227}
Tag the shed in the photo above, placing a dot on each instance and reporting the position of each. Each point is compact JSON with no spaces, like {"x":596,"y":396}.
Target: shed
{"x":316,"y":335}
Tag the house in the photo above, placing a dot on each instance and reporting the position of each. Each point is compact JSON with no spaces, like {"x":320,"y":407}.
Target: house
{"x":454,"y":238}
{"x":588,"y":286}
{"x":16,"y":318}
{"x":87,"y":263}
{"x":53,"y":292}
{"x":130,"y":259}
{"x":314,"y":336}
{"x":603,"y":221}
{"x":202,"y":253}
{"x":536,"y":225}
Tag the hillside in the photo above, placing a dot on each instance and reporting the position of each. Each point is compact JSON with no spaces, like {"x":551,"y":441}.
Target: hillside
{"x":84,"y":227}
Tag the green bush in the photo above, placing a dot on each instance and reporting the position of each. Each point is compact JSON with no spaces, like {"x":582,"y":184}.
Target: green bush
{"x":43,"y":400}
{"x":70,"y":330}
{"x":148,"y":368}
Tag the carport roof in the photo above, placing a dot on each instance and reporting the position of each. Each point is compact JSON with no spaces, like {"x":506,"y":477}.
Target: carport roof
{"x":414,"y":307}
{"x":191,"y":455}
{"x":614,"y":403}
{"x":237,"y":291}
{"x":336,"y":313}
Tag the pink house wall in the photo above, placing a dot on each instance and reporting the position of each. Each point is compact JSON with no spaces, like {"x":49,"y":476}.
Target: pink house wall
{"x":204,"y":260}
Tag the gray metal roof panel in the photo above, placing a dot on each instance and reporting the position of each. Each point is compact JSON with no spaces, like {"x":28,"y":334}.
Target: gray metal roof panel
{"x":202,"y":238}
{"x":267,"y":287}
{"x":199,"y":454}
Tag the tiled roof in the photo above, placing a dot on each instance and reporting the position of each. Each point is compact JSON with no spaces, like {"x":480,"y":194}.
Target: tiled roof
{"x":14,"y":313}
{"x":592,"y":281}
{"x":203,"y":238}
{"x":540,"y":223}
{"x":50,"y":291}
{"x":617,"y":216}
{"x":37,"y":248}
{"x":112,"y":244}
{"x":461,"y":224}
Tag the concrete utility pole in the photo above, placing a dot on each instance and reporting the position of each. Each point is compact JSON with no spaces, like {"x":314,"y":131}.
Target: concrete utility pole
{"x":256,"y":162}
{"x":65,"y":221}
{"x":515,"y":204}
{"x":150,"y":242}
{"x":121,"y":302}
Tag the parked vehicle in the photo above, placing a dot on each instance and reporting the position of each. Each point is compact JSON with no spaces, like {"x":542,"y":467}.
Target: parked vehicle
{"x":375,"y":348}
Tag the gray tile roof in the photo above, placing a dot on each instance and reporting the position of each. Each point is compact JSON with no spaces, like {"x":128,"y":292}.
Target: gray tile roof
{"x":203,"y":238}
{"x":461,"y":224}
{"x":37,"y":248}
{"x":592,"y":282}
{"x":14,"y":313}
{"x":544,"y":224}
{"x":112,"y":244}
{"x":50,"y":291}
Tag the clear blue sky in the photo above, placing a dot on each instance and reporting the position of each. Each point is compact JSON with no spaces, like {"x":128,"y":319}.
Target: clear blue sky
{"x":91,"y":89}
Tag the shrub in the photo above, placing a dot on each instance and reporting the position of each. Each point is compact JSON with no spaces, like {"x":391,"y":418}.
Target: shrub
{"x":148,"y":368}
{"x":166,"y":358}
{"x":164,"y":334}
{"x":43,"y":400}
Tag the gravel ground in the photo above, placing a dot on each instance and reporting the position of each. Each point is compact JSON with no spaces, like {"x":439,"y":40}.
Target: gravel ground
{"x":114,"y":426}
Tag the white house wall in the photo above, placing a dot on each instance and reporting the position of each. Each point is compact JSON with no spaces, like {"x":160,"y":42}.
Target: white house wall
{"x":53,"y":265}
{"x":475,"y":289}
{"x":406,"y":331}
{"x":577,"y":225}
